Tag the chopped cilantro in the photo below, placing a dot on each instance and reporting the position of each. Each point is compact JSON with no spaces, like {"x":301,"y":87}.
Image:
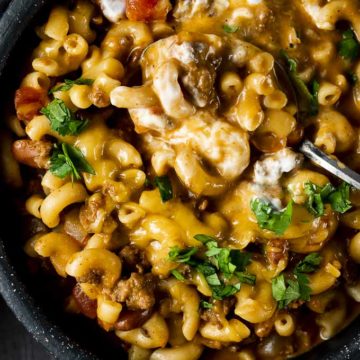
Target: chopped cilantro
{"x":182,"y":255}
{"x":309,"y":263}
{"x":223,"y":291}
{"x":205,"y":238}
{"x":230,"y":28}
{"x":223,"y":268}
{"x":297,"y":287}
{"x":165,"y":188}
{"x":340,"y":198}
{"x":69,"y":160}
{"x":304,"y":288}
{"x":308,"y":99}
{"x":225,"y":265}
{"x":68,"y":84}
{"x":177,"y":274}
{"x":205,"y":305}
{"x":349,"y":47}
{"x":279,"y":287}
{"x":270,"y":218}
{"x":213,"y":280}
{"x":241,"y":259}
{"x":318,"y":196}
{"x":246,"y":278}
{"x":62,"y":119}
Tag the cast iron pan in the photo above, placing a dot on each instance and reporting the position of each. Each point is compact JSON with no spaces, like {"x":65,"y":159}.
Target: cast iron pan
{"x":32,"y":301}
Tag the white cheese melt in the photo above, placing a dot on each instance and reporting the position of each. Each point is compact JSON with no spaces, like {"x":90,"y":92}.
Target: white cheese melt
{"x":269,"y":170}
{"x":113,"y":10}
{"x":183,"y":52}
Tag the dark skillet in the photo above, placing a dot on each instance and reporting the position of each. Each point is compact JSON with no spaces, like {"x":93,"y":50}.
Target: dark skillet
{"x":33,"y":302}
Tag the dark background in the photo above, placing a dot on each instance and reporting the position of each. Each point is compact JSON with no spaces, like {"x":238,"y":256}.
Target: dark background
{"x":15,"y":342}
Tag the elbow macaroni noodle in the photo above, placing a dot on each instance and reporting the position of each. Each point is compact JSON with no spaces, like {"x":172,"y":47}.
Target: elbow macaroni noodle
{"x":193,"y":94}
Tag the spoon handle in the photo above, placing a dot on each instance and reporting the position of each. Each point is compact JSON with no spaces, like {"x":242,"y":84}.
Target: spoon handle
{"x":335,"y":167}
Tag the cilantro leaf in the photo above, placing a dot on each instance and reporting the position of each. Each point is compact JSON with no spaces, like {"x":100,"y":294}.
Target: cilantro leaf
{"x":62,"y":119}
{"x":246,"y":278}
{"x":270,"y":218}
{"x":205,"y":305}
{"x":182,"y":255}
{"x":308,"y":99}
{"x":69,"y":160}
{"x":286,"y":291}
{"x":222,"y":291}
{"x":349,"y":47}
{"x":68,"y":84}
{"x":316,"y":197}
{"x":240,"y":258}
{"x":177,"y":274}
{"x":230,"y":29}
{"x":292,"y":292}
{"x":225,"y":265}
{"x":165,"y":188}
{"x":213,"y":280}
{"x":309,"y":263}
{"x":219,"y":268}
{"x":205,"y":238}
{"x":340,"y":198}
{"x":278,"y":287}
{"x":206,"y":268}
{"x":304,"y":288}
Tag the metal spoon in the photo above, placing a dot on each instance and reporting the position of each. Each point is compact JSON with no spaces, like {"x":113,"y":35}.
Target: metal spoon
{"x":312,"y":152}
{"x":333,"y":166}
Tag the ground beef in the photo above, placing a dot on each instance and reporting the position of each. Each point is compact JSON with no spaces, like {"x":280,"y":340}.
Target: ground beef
{"x":264,"y":328}
{"x":275,"y":251}
{"x":134,"y":259}
{"x":137,"y":291}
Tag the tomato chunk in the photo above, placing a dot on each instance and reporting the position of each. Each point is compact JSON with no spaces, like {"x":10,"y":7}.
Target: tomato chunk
{"x":147,"y":10}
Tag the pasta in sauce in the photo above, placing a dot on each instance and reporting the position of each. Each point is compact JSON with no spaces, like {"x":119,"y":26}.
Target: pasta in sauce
{"x":167,"y":180}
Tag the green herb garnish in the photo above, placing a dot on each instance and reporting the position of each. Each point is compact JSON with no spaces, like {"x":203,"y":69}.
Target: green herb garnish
{"x":68,"y":84}
{"x":246,"y":278}
{"x":177,"y":274}
{"x":308,"y":98}
{"x":205,"y":305}
{"x":182,"y":255}
{"x":340,"y":198}
{"x":349,"y":47}
{"x":230,"y":29}
{"x":223,"y":291}
{"x":69,"y":160}
{"x":224,"y":269}
{"x":297,"y":287}
{"x":165,"y":188}
{"x":270,"y":218}
{"x":62,"y":119}
{"x":309,"y":264}
{"x":318,"y":196}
